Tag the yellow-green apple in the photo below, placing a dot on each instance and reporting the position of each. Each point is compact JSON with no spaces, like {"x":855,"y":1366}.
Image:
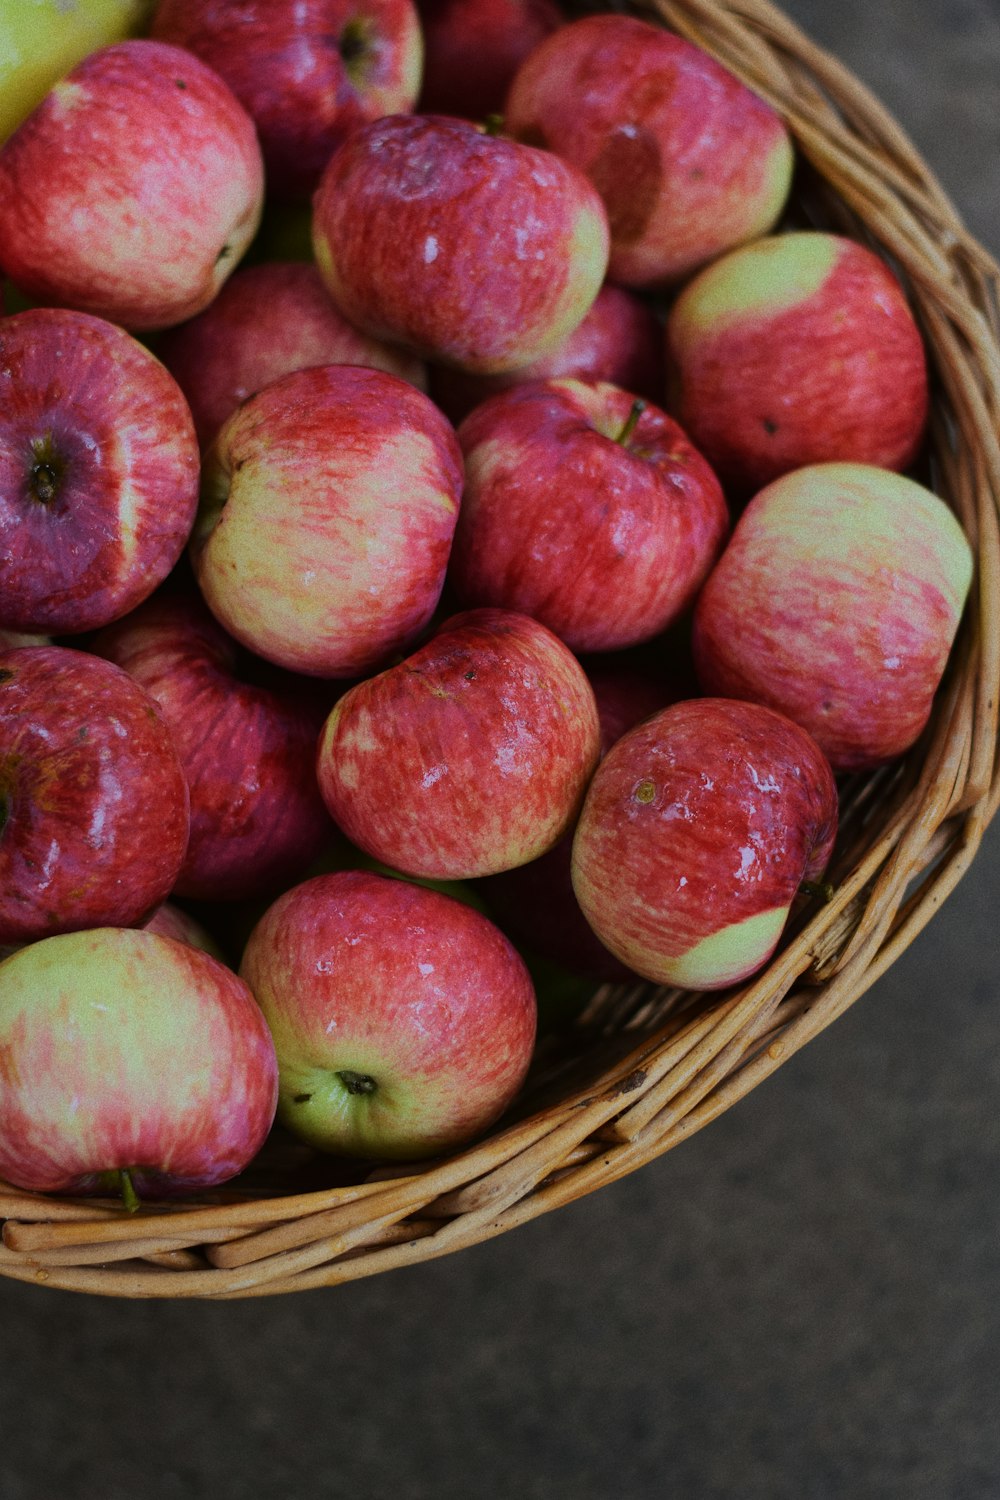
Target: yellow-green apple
{"x":132,"y":190}
{"x":473,"y":48}
{"x":267,"y":321}
{"x":248,"y":750}
{"x":172,"y":921}
{"x":98,"y":472}
{"x":687,"y":160}
{"x":796,"y":350}
{"x":469,"y":757}
{"x":403,"y":1021}
{"x":329,"y":503}
{"x":463,"y":246}
{"x":698,"y":829}
{"x":620,"y":341}
{"x":836,"y":602}
{"x":307,"y":71}
{"x":93,"y":801}
{"x":586,"y":509}
{"x":132,"y":1064}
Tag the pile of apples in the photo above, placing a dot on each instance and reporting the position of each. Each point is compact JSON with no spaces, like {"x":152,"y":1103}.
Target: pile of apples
{"x":258,"y":597}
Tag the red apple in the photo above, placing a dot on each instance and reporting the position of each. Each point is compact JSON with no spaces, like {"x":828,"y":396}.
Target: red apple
{"x":797,"y":350}
{"x":248,"y":751}
{"x":836,"y":602}
{"x":469,"y":757}
{"x":93,"y":801}
{"x":403,"y":1021}
{"x":329,"y":504}
{"x":620,"y":341}
{"x":267,"y":321}
{"x":600,"y":523}
{"x":472,"y":49}
{"x":171,"y":921}
{"x":98,"y":472}
{"x":697,"y":831}
{"x":465,"y":247}
{"x":132,"y":190}
{"x":132,"y":1064}
{"x":687,"y":160}
{"x":307,"y":71}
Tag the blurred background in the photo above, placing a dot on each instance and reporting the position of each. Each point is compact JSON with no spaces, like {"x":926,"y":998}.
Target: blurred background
{"x":801,"y":1303}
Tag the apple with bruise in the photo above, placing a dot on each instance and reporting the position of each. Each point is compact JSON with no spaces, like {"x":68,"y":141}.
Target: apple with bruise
{"x":698,"y":830}
{"x":473,"y":48}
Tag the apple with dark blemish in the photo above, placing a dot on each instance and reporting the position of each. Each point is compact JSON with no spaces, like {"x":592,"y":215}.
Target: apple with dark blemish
{"x":687,"y":160}
{"x":797,"y":350}
{"x":587,"y":509}
{"x":698,"y":830}
{"x":463,"y":246}
{"x":403,"y":1021}
{"x":469,"y":757}
{"x":473,"y":48}
{"x":93,"y":801}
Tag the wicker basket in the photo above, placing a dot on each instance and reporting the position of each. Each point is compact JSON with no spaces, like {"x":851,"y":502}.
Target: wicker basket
{"x":645,"y":1067}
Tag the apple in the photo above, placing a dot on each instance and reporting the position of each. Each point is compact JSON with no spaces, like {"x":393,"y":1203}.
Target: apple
{"x":796,"y":350}
{"x":307,"y":71}
{"x":688,"y":162}
{"x":469,"y":757}
{"x":172,"y":921}
{"x":132,"y":1064}
{"x":836,"y":602}
{"x":620,"y":341}
{"x":132,"y":190}
{"x":698,"y":829}
{"x":472,"y":49}
{"x":328,"y":508}
{"x":98,"y":472}
{"x":267,"y":321}
{"x":463,"y":246}
{"x":248,"y":751}
{"x":93,"y":801}
{"x":403,"y":1020}
{"x":586,"y":509}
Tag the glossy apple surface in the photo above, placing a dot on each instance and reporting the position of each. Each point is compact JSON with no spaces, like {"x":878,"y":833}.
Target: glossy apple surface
{"x":797,"y":350}
{"x":462,"y":246}
{"x":126,"y":1051}
{"x":98,"y":472}
{"x":329,"y":503}
{"x":697,"y":831}
{"x":601,"y":529}
{"x":93,"y":801}
{"x":307,"y":71}
{"x":469,"y":757}
{"x":403,"y":1021}
{"x":837,"y":602}
{"x":472,"y":49}
{"x":132,"y":190}
{"x":687,"y":160}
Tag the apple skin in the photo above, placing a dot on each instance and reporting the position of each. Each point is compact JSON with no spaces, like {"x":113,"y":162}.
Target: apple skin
{"x":132,"y":190}
{"x":172,"y":921}
{"x":127,"y":1050}
{"x":248,"y":751}
{"x":473,"y":48}
{"x":307,"y":71}
{"x":797,"y":350}
{"x":266,"y":322}
{"x":329,"y":502}
{"x":98,"y":472}
{"x":420,"y":1000}
{"x":93,"y":800}
{"x":619,"y":341}
{"x":604,"y":542}
{"x":468,"y":758}
{"x":836,"y":602}
{"x":462,"y":246}
{"x":687,"y":160}
{"x":697,"y":831}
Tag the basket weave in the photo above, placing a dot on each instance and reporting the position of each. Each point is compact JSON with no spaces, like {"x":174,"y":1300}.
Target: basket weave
{"x":645,"y":1067}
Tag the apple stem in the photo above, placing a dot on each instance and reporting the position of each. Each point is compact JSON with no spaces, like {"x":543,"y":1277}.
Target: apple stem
{"x":130,"y":1198}
{"x":631,"y":422}
{"x":493,"y":125}
{"x":821,"y":888}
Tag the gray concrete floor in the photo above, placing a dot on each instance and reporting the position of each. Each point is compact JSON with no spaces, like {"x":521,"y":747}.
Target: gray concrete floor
{"x":801,"y":1303}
